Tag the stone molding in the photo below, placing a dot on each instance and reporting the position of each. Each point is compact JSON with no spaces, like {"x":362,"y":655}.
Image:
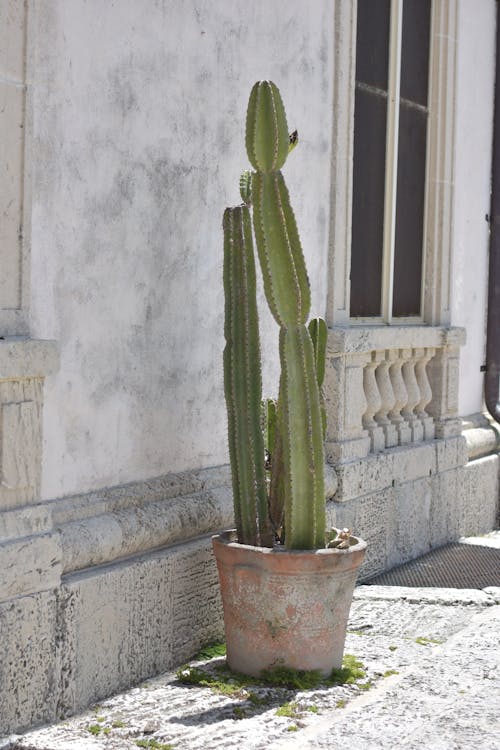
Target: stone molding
{"x":482,"y":435}
{"x":130,"y":519}
{"x":134,"y":519}
{"x":104,"y":526}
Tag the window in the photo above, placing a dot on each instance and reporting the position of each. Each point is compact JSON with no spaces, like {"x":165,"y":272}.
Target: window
{"x":389,"y":163}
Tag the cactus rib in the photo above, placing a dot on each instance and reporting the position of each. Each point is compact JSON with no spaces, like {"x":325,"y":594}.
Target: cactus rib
{"x":242,"y":378}
{"x":302,"y":441}
{"x":280,"y":253}
{"x":267,"y":138}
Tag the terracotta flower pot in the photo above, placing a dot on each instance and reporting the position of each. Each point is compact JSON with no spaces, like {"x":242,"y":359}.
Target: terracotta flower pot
{"x":285,"y":607}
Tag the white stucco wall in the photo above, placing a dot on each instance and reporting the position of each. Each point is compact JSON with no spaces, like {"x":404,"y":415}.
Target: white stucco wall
{"x":138,"y":143}
{"x":475,"y":84}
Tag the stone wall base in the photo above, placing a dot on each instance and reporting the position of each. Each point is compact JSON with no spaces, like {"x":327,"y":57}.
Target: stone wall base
{"x":408,"y":519}
{"x":123,"y":584}
{"x":104,"y":630}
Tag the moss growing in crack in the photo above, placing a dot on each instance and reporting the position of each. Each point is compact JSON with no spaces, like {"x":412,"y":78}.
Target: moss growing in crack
{"x":257,"y":700}
{"x":292,"y":728}
{"x":239,"y":713}
{"x":341,"y":703}
{"x":393,"y":648}
{"x":94,"y":729}
{"x":221,"y":679}
{"x":292,"y":679}
{"x":422,"y":640}
{"x":211,"y":651}
{"x":351,"y":671}
{"x":153,"y":744}
{"x":196,"y":676}
{"x":290,"y":710}
{"x":365,"y":685}
{"x":390,"y":672}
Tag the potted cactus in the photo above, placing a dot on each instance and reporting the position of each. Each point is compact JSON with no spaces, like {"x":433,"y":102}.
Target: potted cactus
{"x":286,"y":583}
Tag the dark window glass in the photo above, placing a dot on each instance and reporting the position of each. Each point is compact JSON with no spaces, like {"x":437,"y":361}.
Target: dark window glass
{"x":372,"y":43}
{"x":415,"y":50}
{"x":370,"y":122}
{"x":370,"y":117}
{"x":409,"y":211}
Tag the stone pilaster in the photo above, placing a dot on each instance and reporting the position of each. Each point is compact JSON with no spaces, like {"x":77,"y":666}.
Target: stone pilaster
{"x":29,"y":551}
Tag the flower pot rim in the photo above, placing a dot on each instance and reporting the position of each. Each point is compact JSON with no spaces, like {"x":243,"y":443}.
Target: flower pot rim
{"x":227,"y":538}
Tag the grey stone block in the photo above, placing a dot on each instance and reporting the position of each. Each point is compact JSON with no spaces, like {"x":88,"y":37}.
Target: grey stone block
{"x":128,"y":621}
{"x":412,"y":513}
{"x":28,"y":662}
{"x":481,"y":496}
{"x":372,"y":518}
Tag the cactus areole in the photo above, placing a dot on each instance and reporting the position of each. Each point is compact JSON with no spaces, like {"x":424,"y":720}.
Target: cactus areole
{"x":286,"y":584}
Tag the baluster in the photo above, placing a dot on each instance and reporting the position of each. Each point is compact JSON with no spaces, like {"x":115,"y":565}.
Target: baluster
{"x":417,"y":431}
{"x":401,"y":396}
{"x":387,"y":400}
{"x":425,"y":392}
{"x":374,"y":402}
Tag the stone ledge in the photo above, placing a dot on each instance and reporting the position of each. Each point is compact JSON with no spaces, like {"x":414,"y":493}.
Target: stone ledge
{"x":137,"y":494}
{"x":135,"y":518}
{"x":482,"y":435}
{"x":356,"y":339}
{"x":118,"y":522}
{"x":27,"y":358}
{"x":124,"y":532}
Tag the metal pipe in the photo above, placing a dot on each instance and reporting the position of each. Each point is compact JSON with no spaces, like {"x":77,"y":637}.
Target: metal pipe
{"x":492,"y":379}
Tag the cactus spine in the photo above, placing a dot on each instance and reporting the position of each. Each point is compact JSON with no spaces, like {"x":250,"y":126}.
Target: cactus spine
{"x":296,"y":485}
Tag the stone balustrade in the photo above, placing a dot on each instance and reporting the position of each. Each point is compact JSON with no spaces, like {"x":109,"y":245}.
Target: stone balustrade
{"x":390,"y":386}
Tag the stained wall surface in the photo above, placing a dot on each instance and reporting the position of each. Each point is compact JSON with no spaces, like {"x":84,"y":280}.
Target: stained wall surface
{"x":138,"y":144}
{"x":474,"y":132}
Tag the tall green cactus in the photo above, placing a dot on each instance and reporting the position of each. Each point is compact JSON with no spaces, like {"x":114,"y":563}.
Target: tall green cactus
{"x":296,"y":484}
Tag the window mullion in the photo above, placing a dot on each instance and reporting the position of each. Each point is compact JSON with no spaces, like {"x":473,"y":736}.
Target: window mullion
{"x":391,"y":157}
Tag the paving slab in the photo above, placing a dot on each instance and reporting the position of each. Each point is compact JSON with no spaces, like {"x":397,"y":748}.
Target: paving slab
{"x":432,"y":680}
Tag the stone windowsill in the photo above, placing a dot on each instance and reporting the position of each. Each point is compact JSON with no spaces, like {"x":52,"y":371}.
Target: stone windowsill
{"x":366,"y":338}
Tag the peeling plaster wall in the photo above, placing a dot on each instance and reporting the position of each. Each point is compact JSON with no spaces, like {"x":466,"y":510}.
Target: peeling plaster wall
{"x":474,"y":133}
{"x":138,"y":144}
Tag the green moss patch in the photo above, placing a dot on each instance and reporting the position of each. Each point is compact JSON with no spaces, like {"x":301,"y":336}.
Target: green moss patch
{"x":221,"y":679}
{"x":153,"y":744}
{"x":423,"y":641}
{"x":211,"y":651}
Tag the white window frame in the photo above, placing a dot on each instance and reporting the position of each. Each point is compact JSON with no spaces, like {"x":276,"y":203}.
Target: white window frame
{"x":436,"y":270}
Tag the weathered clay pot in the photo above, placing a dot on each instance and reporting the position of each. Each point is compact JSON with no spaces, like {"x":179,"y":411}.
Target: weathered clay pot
{"x":285,"y":607}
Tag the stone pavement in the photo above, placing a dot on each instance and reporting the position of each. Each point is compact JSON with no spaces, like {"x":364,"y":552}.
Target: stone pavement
{"x":432,"y":681}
